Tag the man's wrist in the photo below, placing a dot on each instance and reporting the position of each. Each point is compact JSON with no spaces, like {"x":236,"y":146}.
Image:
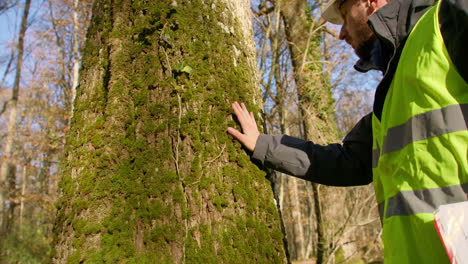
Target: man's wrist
{"x":260,"y":148}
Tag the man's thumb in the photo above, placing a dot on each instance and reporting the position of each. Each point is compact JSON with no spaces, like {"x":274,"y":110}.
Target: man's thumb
{"x":235,"y":133}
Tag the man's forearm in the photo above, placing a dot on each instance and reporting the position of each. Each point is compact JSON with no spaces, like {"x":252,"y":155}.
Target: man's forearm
{"x":334,"y":164}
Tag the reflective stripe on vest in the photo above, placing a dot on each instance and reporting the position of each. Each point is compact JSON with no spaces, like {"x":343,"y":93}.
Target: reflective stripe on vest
{"x":423,"y":201}
{"x":423,"y":126}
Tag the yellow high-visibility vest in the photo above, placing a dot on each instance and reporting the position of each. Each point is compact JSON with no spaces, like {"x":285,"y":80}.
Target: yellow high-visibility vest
{"x":420,"y":146}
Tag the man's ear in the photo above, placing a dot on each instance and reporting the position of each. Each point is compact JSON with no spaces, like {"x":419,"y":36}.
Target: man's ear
{"x":372,"y":6}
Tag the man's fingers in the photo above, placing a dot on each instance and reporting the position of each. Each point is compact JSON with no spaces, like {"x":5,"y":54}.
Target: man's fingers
{"x":238,"y":110}
{"x":247,"y":141}
{"x":244,"y":107}
{"x":246,"y":112}
{"x":241,"y":113}
{"x":252,"y":117}
{"x":235,"y":133}
{"x":247,"y":121}
{"x":235,"y":108}
{"x":243,"y":110}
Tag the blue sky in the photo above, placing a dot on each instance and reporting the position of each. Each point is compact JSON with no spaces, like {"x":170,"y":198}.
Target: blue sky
{"x":7,"y":26}
{"x":7,"y":34}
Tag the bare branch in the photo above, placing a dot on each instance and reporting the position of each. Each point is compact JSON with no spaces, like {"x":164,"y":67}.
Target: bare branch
{"x":5,"y":5}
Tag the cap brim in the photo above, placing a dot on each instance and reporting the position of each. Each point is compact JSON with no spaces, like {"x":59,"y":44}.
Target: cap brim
{"x":332,"y":14}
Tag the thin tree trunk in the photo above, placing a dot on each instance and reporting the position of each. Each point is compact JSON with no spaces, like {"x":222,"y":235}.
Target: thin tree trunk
{"x":295,"y":229}
{"x":151,"y":176}
{"x":44,"y":172}
{"x":309,"y":218}
{"x":276,"y":87}
{"x":61,"y":57}
{"x":315,"y":100}
{"x":24,"y":183}
{"x":296,"y":214}
{"x":321,"y":242}
{"x":7,"y":170}
{"x":76,"y":50}
{"x":277,"y":178}
{"x":7,"y":71}
{"x":292,"y":213}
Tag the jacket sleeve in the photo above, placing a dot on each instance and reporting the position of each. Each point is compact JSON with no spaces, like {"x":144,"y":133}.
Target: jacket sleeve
{"x":346,"y":164}
{"x":453,"y":19}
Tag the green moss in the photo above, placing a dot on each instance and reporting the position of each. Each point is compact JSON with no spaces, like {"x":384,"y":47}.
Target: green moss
{"x":163,"y":126}
{"x":157,"y":110}
{"x":66,"y":186}
{"x":78,"y":242}
{"x":92,"y":228}
{"x":205,"y":183}
{"x":149,"y":258}
{"x":169,"y":177}
{"x":178,"y":196}
{"x":195,"y":169}
{"x":186,"y":213}
{"x":166,"y":233}
{"x":74,"y":258}
{"x":220,"y":202}
{"x":79,"y":205}
{"x":243,"y":161}
{"x":141,"y":97}
{"x":198,"y":146}
{"x":157,"y":210}
{"x":232,"y":152}
{"x":97,"y":140}
{"x":94,"y":256}
{"x":135,"y":109}
{"x":78,"y":225}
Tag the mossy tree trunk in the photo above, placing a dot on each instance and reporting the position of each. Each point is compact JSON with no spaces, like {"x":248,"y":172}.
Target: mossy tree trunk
{"x":150,"y":175}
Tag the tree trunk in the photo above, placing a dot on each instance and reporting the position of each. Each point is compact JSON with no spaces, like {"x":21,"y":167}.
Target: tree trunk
{"x":150,"y":175}
{"x":290,"y":211}
{"x":315,"y":101}
{"x":8,"y":169}
{"x":76,"y":52}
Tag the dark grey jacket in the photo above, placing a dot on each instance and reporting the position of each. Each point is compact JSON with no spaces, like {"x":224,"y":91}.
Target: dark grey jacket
{"x":350,"y":163}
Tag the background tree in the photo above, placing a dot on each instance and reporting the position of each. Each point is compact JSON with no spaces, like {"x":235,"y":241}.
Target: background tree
{"x":150,"y":173}
{"x":302,"y":68}
{"x":43,"y":113}
{"x":8,"y":193}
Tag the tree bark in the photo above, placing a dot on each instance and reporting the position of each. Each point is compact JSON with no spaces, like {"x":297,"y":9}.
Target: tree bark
{"x":150,"y":175}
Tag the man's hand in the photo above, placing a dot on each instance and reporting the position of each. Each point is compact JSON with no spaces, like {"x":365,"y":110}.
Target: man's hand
{"x":248,"y":124}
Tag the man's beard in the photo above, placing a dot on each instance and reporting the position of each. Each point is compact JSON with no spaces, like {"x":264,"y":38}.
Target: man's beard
{"x":364,"y":50}
{"x":367,"y":37}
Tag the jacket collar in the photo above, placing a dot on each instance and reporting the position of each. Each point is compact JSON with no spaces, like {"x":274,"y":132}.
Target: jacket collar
{"x":375,"y":62}
{"x":391,"y":24}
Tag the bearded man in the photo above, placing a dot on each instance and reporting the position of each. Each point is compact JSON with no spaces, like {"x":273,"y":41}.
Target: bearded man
{"x":413,"y":146}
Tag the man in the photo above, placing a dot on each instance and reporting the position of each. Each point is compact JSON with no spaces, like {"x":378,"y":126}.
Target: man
{"x":414,"y":145}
